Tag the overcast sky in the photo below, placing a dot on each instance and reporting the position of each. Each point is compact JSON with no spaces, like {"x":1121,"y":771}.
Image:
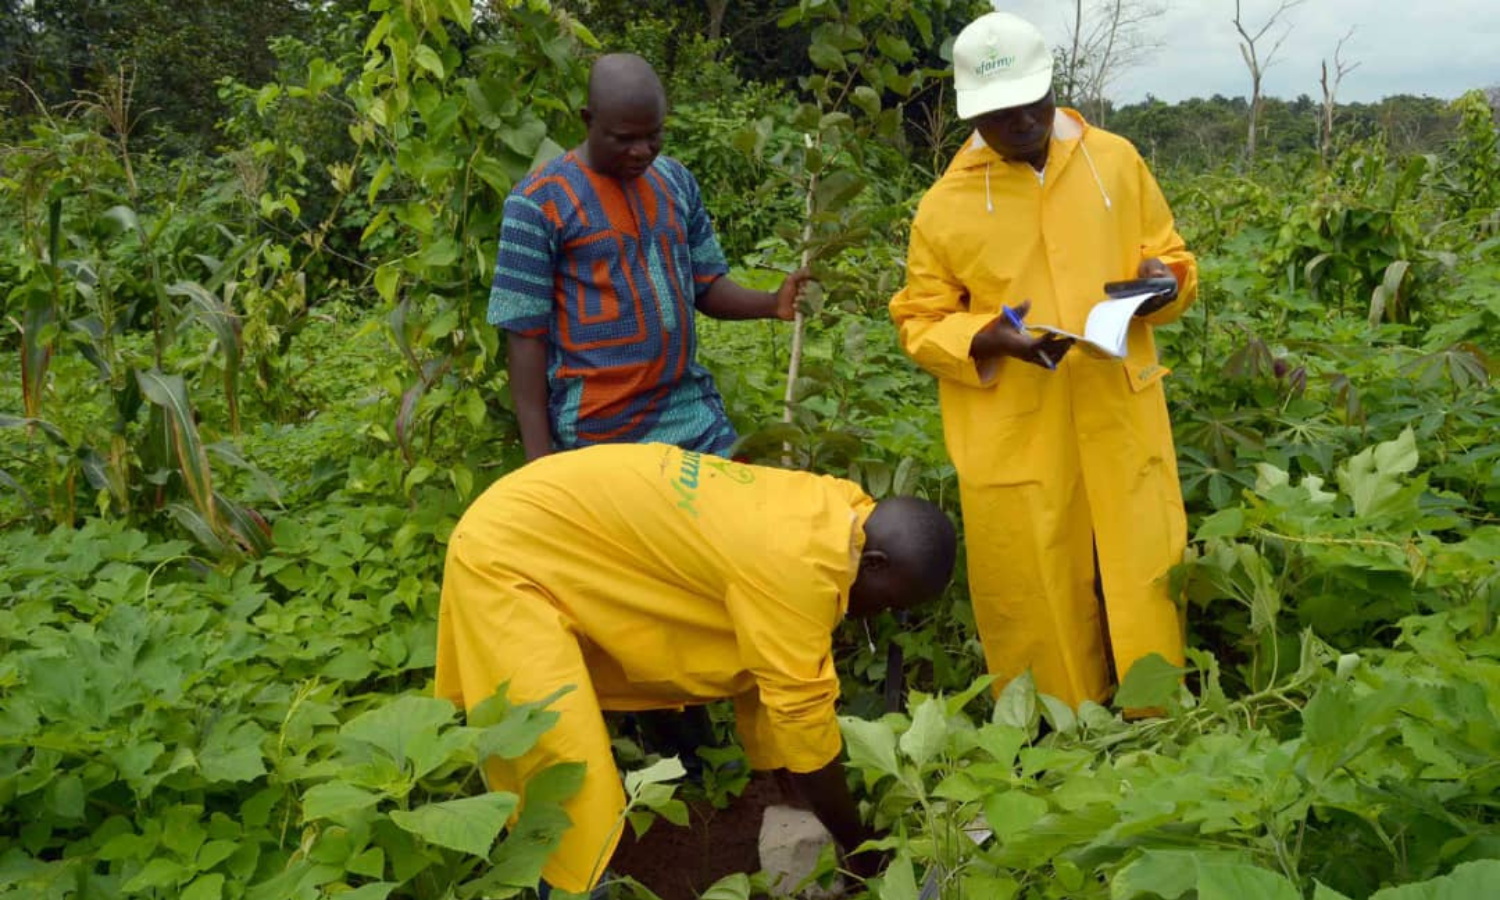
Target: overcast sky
{"x":1438,"y":48}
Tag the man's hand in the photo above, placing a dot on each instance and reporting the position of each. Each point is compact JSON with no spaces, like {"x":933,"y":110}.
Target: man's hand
{"x":1155,"y":268}
{"x":789,"y":295}
{"x":1000,"y":338}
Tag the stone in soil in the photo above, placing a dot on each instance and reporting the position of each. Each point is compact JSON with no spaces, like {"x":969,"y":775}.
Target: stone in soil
{"x":791,"y":840}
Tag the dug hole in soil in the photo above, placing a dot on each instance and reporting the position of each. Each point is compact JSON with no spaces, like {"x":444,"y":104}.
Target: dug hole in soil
{"x":679,"y":863}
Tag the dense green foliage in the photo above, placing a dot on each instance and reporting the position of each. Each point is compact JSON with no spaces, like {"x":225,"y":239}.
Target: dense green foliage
{"x":249,"y":392}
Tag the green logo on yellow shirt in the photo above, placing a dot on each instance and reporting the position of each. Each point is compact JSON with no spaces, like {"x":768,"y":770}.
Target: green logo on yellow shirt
{"x":686,"y":482}
{"x":688,"y":472}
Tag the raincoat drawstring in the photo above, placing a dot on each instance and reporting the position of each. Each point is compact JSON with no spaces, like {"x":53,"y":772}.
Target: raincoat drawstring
{"x":1108,"y":204}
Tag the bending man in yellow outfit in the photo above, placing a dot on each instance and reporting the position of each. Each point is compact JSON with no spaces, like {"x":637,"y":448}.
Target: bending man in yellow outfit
{"x":1067,"y":475}
{"x":650,"y":577}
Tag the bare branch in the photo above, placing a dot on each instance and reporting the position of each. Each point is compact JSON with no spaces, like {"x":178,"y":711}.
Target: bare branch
{"x":1250,"y":53}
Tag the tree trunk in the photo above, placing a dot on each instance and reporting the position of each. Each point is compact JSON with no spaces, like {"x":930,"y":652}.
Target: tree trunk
{"x":716,"y":10}
{"x":1254,"y":120}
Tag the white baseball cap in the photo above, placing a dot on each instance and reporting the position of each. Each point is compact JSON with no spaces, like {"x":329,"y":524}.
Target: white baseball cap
{"x":999,"y":61}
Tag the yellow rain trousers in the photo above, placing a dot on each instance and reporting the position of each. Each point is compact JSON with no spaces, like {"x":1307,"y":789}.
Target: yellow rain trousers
{"x":1053,"y":463}
{"x":649,"y":578}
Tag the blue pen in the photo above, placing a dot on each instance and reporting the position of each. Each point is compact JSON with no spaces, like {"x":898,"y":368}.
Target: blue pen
{"x":1016,"y":322}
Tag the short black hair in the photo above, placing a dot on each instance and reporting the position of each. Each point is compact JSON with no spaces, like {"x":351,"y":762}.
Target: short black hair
{"x":919,"y":538}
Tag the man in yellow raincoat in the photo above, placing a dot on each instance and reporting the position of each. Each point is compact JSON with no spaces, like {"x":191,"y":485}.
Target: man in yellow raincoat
{"x":651,"y":577}
{"x":1067,"y":474}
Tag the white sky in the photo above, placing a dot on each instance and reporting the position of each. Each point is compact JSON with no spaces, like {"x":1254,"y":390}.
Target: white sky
{"x":1438,"y":48}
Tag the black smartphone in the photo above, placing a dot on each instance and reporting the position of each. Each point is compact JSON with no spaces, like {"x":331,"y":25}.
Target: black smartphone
{"x":1140,"y":286}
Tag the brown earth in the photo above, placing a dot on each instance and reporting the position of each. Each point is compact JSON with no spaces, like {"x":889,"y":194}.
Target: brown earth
{"x":679,"y":863}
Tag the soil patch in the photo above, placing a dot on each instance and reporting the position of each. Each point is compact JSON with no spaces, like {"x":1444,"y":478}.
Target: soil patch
{"x":679,"y":863}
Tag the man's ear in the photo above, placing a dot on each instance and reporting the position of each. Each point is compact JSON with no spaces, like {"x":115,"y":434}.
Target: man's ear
{"x":587,"y":115}
{"x":874,"y":561}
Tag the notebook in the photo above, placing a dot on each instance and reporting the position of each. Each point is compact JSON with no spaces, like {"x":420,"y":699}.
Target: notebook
{"x":1107,"y":332}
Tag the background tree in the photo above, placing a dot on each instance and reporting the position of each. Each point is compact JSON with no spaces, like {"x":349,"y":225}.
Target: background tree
{"x":1104,"y":40}
{"x":178,"y":51}
{"x":1250,"y":48}
{"x":1331,"y":90}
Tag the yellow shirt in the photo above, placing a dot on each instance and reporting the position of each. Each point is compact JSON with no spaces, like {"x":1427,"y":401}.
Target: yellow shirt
{"x":685,"y":578}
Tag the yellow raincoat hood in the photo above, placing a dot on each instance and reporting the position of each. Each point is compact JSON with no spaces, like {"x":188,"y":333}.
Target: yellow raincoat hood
{"x":1051,"y":463}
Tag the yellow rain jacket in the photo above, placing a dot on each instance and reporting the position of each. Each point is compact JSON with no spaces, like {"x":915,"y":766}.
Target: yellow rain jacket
{"x":1053,"y":463}
{"x":650,"y":577}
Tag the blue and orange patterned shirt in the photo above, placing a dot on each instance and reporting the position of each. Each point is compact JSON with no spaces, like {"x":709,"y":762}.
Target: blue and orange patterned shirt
{"x":609,"y":271}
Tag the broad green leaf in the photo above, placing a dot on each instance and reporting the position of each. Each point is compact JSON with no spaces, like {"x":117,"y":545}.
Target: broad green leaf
{"x":1324,"y":892}
{"x":867,"y":100}
{"x":511,"y":730}
{"x":1243,"y":882}
{"x":119,"y":220}
{"x":322,"y":75}
{"x":379,"y":890}
{"x":1226,"y":523}
{"x":663,"y":770}
{"x":205,"y":887}
{"x":1059,"y":714}
{"x":127,"y":846}
{"x":1012,"y":812}
{"x":546,"y":151}
{"x":895,"y":47}
{"x":871,"y":745}
{"x":396,"y":727}
{"x":899,"y":881}
{"x":826,"y":56}
{"x":438,"y":253}
{"x":1469,"y":881}
{"x":387,"y":279}
{"x":1168,"y":874}
{"x":462,"y":12}
{"x":231,"y":751}
{"x":518,"y":861}
{"x":928,"y":732}
{"x":730,"y":887}
{"x":1017,"y":705}
{"x":469,"y":825}
{"x":1328,"y":719}
{"x":493,"y":173}
{"x":1002,"y":742}
{"x":923,"y":22}
{"x":378,"y":180}
{"x":525,"y":137}
{"x":1372,"y":477}
{"x":157,"y":874}
{"x":65,"y":798}
{"x":990,"y":887}
{"x":1152,"y":682}
{"x":334,"y":799}
{"x":428,"y":58}
{"x":370,"y":863}
{"x":957,"y":702}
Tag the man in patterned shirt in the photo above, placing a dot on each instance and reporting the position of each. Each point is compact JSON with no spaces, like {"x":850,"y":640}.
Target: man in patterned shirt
{"x":605,"y":255}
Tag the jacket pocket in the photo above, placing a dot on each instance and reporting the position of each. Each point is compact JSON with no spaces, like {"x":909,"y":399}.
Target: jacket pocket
{"x":1141,"y":376}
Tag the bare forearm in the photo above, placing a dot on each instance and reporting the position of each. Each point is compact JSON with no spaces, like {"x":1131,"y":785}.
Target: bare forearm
{"x":527,"y":358}
{"x":725,"y":299}
{"x":828,"y":795}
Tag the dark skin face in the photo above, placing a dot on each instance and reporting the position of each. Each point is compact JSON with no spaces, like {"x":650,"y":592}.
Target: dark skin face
{"x":624,"y":136}
{"x":1020,"y":133}
{"x":881,"y":584}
